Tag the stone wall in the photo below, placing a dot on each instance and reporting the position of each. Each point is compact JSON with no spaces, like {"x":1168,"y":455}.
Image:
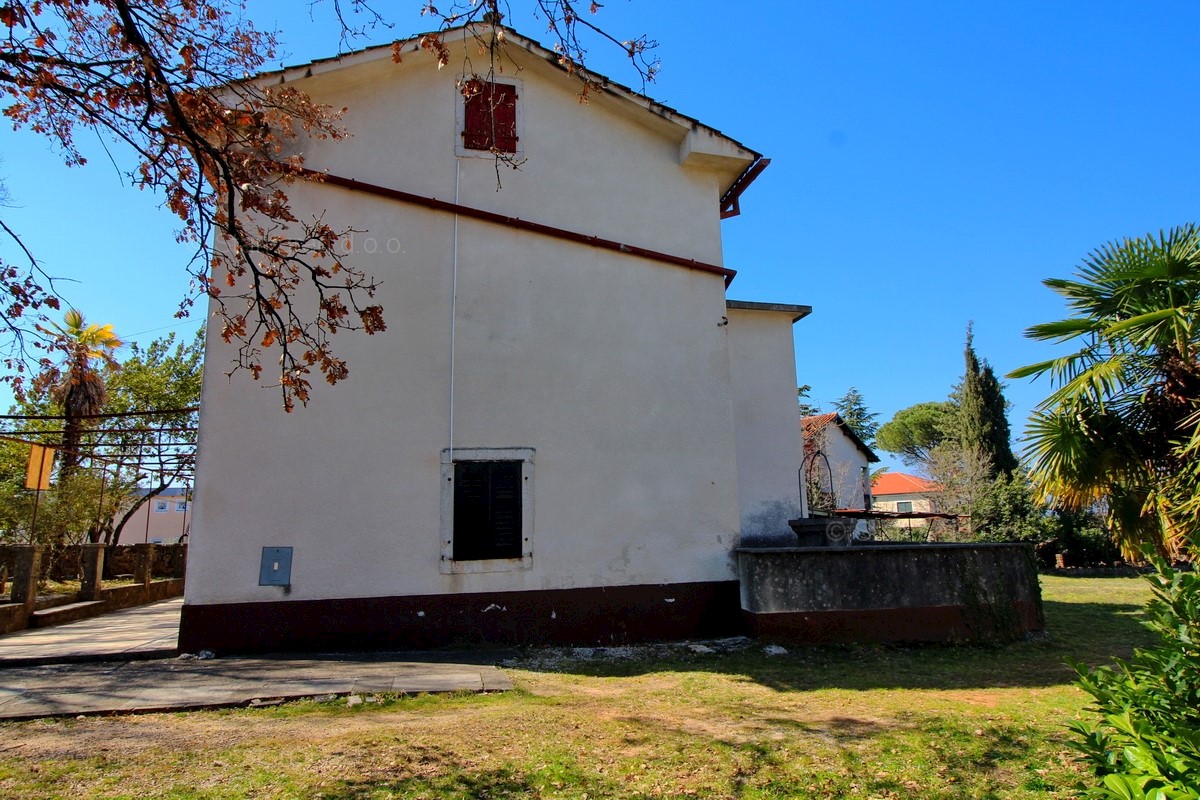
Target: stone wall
{"x":63,"y":563}
{"x":25,"y":565}
{"x":887,"y":593}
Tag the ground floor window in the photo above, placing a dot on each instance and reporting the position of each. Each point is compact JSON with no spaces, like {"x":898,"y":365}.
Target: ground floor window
{"x":487,"y":509}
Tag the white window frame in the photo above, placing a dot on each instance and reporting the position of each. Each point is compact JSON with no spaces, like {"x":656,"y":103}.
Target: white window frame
{"x":181,"y":505}
{"x":448,"y":565}
{"x":460,"y":119}
{"x":161,"y":506}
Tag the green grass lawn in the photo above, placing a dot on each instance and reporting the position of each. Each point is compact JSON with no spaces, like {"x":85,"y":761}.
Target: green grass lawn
{"x":870,"y":722}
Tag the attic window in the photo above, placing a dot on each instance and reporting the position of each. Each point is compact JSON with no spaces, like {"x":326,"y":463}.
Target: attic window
{"x":489,"y":116}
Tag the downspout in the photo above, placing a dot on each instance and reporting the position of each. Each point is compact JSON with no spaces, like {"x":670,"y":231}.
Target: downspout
{"x":453,"y":310}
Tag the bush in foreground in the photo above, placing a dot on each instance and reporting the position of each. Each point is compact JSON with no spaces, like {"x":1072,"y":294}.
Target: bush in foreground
{"x":1147,"y":741}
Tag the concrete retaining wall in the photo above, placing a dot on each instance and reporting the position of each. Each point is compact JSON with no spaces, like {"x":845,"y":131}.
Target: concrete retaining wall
{"x":26,"y":609}
{"x":887,"y":593}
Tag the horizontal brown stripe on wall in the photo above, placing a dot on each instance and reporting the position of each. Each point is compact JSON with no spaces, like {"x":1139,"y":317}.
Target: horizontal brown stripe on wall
{"x":513,"y":222}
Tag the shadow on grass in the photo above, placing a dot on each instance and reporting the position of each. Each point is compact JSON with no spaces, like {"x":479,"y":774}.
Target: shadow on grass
{"x":1094,"y":633}
{"x":506,"y":781}
{"x":856,"y":756}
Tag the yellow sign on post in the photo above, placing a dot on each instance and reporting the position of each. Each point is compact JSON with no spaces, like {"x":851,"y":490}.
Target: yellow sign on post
{"x":41,"y":464}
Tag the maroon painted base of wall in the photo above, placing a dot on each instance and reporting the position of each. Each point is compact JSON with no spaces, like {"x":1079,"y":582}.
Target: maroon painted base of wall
{"x":591,"y":616}
{"x":924,"y":624}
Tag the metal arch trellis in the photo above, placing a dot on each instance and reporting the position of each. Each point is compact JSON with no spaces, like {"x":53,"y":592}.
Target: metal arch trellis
{"x":806,"y":471}
{"x":144,"y":449}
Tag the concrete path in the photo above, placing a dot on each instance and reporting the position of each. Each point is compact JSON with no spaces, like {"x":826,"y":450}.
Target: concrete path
{"x":150,"y":631}
{"x":124,"y":662}
{"x":178,"y":684}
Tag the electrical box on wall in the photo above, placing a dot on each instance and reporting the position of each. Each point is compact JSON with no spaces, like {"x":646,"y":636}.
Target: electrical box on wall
{"x":276,"y":567}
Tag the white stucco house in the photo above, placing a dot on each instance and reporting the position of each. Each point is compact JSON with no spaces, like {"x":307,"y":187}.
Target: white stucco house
{"x":836,"y":464}
{"x":567,"y":424}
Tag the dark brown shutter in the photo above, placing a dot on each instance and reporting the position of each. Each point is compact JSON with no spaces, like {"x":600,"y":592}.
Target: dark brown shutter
{"x":487,"y":510}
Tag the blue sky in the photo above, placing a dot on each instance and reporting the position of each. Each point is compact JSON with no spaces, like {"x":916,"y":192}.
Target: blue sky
{"x":931,"y":163}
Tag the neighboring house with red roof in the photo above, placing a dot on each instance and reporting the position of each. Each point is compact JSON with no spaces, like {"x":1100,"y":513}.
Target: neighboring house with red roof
{"x":836,"y":464}
{"x":903,"y":493}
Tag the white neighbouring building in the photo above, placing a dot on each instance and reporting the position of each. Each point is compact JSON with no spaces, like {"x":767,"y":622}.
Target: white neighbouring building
{"x":566,"y":425}
{"x":836,"y":463}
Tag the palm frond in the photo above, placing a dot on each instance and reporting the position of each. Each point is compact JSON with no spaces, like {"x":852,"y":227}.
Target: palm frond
{"x":1062,"y":329}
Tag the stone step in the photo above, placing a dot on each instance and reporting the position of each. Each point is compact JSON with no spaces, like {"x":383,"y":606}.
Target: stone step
{"x":54,"y":600}
{"x":64,"y":614}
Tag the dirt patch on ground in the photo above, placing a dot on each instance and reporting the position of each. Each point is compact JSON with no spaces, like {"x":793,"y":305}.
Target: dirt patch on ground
{"x":211,"y":732}
{"x":985,"y":699}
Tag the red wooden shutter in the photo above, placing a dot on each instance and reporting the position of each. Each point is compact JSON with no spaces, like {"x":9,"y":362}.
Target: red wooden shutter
{"x":476,"y":122}
{"x":504,"y":113}
{"x":490,"y":117}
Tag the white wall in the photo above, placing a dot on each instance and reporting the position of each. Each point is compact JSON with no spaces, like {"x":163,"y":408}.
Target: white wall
{"x":762,"y":368}
{"x":602,"y":168}
{"x":612,"y":368}
{"x":846,"y":462}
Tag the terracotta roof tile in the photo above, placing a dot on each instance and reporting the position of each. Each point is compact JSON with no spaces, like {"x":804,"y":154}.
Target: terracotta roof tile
{"x":811,"y":426}
{"x":901,"y":483}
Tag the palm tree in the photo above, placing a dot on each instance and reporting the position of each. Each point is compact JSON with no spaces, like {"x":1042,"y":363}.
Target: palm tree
{"x":77,"y":386}
{"x":1126,"y":404}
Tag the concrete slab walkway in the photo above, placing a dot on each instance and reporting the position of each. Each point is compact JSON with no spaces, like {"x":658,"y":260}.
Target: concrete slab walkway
{"x":179,"y":684}
{"x":124,"y":662}
{"x":150,"y":631}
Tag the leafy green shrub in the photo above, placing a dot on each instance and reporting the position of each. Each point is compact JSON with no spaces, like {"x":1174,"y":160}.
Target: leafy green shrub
{"x":1005,"y":510}
{"x":1082,"y":539}
{"x":1147,"y":741}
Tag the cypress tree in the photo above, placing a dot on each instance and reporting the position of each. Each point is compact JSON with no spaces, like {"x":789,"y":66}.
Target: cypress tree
{"x":983,"y":412}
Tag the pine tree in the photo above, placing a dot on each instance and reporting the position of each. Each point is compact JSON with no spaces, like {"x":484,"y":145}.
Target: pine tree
{"x":807,"y":408}
{"x":854,"y":412}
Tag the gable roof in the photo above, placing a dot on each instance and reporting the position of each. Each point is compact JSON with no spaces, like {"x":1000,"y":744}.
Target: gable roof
{"x":811,"y":426}
{"x":699,"y":143}
{"x":901,"y":483}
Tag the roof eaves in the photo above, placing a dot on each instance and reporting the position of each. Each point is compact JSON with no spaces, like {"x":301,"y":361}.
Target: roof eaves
{"x":412,"y":44}
{"x":859,"y":443}
{"x":799,"y":312}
